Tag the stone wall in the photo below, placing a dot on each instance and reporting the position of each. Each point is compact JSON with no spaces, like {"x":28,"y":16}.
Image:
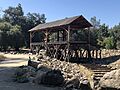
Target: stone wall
{"x":108,"y":53}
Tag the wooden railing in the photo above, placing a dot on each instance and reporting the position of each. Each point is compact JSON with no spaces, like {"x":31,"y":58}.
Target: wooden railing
{"x":62,"y":42}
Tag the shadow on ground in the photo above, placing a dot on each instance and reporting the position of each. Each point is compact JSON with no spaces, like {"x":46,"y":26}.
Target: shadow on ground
{"x":107,"y":60}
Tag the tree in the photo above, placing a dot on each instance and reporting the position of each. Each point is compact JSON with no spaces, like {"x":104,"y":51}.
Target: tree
{"x":15,"y":16}
{"x":109,"y":43}
{"x":94,"y":31}
{"x":95,"y":22}
{"x":103,"y":31}
{"x":4,"y":39}
{"x":115,"y":32}
{"x":102,"y":34}
{"x":10,"y":36}
{"x":16,"y":37}
{"x":32,"y":20}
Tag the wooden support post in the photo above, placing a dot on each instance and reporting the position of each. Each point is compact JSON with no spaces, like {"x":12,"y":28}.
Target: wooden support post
{"x":87,"y":56}
{"x":89,"y":53}
{"x":83,"y":52}
{"x":93,"y":53}
{"x":68,"y":43}
{"x":46,"y":41}
{"x":64,"y":35}
{"x":100,"y":54}
{"x":96,"y":54}
{"x":57,"y":35}
{"x":31,"y":41}
{"x":46,"y":36}
{"x":76,"y":53}
{"x":80,"y":53}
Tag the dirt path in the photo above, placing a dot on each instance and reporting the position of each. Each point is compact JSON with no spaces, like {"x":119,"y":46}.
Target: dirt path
{"x":7,"y":69}
{"x":14,"y":60}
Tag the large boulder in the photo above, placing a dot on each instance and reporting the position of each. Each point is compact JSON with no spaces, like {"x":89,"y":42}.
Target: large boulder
{"x":53,"y":77}
{"x":40,"y":74}
{"x":23,"y":73}
{"x":77,"y":84}
{"x":29,"y":71}
{"x":111,"y":80}
{"x":115,"y":65}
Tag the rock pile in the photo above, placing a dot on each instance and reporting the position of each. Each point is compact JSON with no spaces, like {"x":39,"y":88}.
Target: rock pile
{"x":110,"y":81}
{"x":108,"y":53}
{"x":115,"y":65}
{"x":54,"y":72}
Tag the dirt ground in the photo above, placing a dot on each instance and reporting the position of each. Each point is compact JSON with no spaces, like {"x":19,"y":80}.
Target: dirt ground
{"x":7,"y":68}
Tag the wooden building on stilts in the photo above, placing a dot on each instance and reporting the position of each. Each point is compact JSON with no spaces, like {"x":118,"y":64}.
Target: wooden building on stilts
{"x":61,"y":41}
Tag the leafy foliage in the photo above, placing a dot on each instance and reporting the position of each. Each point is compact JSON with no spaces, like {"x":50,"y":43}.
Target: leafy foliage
{"x":14,"y":26}
{"x":4,"y":30}
{"x":103,"y":36}
{"x":109,"y":43}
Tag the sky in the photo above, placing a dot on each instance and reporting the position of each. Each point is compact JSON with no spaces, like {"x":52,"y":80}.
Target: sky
{"x":108,"y":11}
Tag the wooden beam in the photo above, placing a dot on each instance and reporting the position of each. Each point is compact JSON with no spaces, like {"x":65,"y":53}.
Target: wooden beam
{"x":63,"y":35}
{"x":68,"y":43}
{"x":93,"y":53}
{"x":100,"y":54}
{"x":96,"y":54}
{"x":31,"y":41}
{"x":57,"y":35}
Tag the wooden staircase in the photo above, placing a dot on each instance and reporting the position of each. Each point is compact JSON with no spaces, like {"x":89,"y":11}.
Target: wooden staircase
{"x":98,"y":70}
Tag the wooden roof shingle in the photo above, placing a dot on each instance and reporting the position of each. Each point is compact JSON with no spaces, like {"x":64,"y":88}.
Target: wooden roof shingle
{"x":62,"y":22}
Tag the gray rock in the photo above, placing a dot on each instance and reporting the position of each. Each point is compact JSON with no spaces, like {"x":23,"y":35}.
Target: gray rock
{"x":22,"y":79}
{"x":40,"y":56}
{"x":40,"y":74}
{"x":115,"y":65}
{"x":23,"y":73}
{"x":30,"y":71}
{"x":53,"y":77}
{"x":111,"y":80}
{"x":31,"y":79}
{"x":43,"y":52}
{"x":43,"y":68}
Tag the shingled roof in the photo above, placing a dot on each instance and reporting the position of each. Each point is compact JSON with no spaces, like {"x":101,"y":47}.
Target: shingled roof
{"x":81,"y":21}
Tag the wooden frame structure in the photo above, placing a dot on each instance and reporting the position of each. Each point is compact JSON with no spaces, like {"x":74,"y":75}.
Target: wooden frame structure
{"x":63,"y":47}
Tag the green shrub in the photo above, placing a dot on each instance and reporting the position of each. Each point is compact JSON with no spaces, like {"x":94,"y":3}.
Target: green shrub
{"x":109,"y":43}
{"x":118,"y":44}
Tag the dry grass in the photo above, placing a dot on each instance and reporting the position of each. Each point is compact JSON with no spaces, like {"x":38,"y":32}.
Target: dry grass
{"x":2,"y":57}
{"x":88,"y":73}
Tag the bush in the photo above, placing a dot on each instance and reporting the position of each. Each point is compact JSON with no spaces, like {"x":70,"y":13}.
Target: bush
{"x":109,"y":43}
{"x":118,"y":44}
